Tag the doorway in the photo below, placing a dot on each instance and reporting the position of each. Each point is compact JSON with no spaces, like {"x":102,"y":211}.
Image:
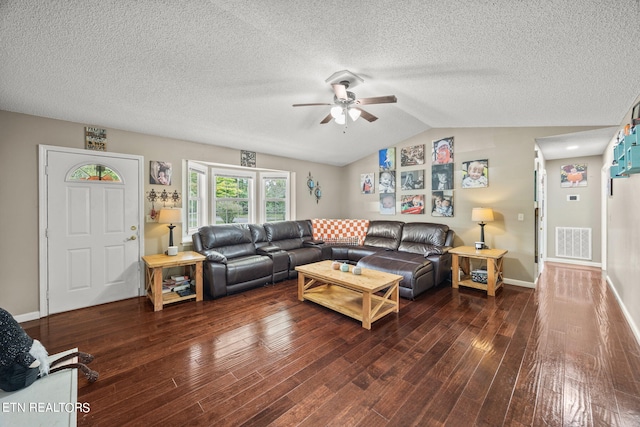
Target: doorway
{"x":91,"y":228}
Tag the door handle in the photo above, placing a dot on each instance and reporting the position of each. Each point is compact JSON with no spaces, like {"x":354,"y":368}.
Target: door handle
{"x":134,"y":237}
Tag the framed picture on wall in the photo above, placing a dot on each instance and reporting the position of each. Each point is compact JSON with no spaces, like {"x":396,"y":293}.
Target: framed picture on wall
{"x":95,"y":139}
{"x":367,"y":185}
{"x":388,"y":203}
{"x":442,"y":177}
{"x":412,"y":180}
{"x":412,"y":155}
{"x":412,"y":204}
{"x":248,"y":158}
{"x":442,"y":152}
{"x":442,"y":203}
{"x":159,"y":173}
{"x":574,"y":175}
{"x":475,"y":173}
{"x":387,"y":159}
{"x":387,"y":182}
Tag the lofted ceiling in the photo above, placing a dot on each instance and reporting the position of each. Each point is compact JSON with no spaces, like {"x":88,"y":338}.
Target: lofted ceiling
{"x":227,"y":72}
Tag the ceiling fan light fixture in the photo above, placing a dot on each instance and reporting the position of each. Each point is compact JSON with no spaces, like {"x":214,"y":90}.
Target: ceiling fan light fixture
{"x":336,"y":112}
{"x":341,"y":119}
{"x":354,"y":113}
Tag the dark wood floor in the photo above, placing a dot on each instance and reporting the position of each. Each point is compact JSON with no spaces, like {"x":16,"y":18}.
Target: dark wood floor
{"x":561,"y":355}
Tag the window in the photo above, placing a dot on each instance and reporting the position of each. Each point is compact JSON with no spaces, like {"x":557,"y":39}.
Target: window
{"x":223,"y":194}
{"x":275,"y":190}
{"x":94,"y":172}
{"x":233,"y":197}
{"x":197,"y":197}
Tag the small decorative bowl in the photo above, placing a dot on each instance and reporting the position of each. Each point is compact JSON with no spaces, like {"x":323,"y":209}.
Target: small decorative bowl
{"x":344,"y":267}
{"x":357,"y":271}
{"x":335,"y":265}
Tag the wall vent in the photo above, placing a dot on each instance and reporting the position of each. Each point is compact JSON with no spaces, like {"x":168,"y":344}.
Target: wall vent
{"x":573,"y":242}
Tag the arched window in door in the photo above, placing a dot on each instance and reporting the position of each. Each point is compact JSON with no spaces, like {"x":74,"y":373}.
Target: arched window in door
{"x":94,"y":172}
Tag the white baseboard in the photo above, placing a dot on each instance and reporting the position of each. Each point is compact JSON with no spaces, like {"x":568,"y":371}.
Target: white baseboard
{"x":574,"y":262}
{"x":519,"y":283}
{"x":27,"y":316}
{"x":634,"y":327}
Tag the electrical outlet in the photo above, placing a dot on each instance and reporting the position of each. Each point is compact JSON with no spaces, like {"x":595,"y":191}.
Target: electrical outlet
{"x":520,"y":217}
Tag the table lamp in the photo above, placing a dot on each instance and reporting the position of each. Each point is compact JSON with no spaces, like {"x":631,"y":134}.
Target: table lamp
{"x":170,"y":216}
{"x":481,"y":215}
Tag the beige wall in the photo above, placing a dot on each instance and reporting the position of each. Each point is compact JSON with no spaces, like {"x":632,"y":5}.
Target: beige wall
{"x":20,"y":136}
{"x":510,"y":152}
{"x":510,"y":191}
{"x":583,"y":213}
{"x":623,"y":237}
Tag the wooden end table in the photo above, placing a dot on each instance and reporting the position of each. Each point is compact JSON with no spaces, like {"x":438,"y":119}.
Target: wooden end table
{"x":461,"y":257}
{"x":154,"y":265}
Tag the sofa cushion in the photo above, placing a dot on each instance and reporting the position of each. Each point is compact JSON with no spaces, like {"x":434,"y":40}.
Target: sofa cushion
{"x":306,"y":229}
{"x":409,"y":266}
{"x":285,"y":234}
{"x":355,"y":253}
{"x":384,"y":234}
{"x":243,"y":269}
{"x":302,"y":256}
{"x":423,"y":238}
{"x":259,"y":235}
{"x":229,"y":240}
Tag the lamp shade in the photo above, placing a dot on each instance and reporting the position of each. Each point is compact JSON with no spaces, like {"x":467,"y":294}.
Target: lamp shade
{"x":354,"y":113}
{"x":170,"y":216}
{"x":336,"y":112}
{"x":482,"y":214}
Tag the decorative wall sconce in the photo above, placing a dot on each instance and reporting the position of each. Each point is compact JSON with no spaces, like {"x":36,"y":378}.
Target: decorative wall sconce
{"x":310,"y":183}
{"x":152,"y":196}
{"x":175,"y":196}
{"x":317,"y":192}
{"x":164,"y":196}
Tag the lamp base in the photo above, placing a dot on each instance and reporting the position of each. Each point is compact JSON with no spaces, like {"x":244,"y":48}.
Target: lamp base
{"x":172,"y":250}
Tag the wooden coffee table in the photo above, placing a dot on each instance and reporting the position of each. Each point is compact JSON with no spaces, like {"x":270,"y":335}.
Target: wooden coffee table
{"x":352,"y":295}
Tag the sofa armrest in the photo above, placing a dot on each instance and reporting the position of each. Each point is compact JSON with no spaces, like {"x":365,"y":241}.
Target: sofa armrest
{"x":311,"y":243}
{"x":435,"y":250}
{"x":266,"y":250}
{"x":214,"y":256}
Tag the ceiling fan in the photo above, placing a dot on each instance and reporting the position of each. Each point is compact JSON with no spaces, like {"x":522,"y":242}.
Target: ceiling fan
{"x":345,"y":103}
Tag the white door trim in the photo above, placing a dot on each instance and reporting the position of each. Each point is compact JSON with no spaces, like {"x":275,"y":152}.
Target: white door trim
{"x":43,"y":208}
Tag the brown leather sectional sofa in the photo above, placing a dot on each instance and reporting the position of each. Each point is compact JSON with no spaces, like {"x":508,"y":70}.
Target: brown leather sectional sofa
{"x":245,"y":256}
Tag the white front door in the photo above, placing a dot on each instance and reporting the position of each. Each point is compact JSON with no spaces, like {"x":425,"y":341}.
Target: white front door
{"x":92,"y":228}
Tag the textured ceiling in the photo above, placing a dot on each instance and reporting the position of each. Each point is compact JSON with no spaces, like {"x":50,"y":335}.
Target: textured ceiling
{"x":227,"y":72}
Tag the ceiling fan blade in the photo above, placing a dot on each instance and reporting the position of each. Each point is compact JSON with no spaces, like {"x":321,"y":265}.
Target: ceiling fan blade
{"x":366,"y":115}
{"x":377,"y":100}
{"x":308,"y":105}
{"x":340,"y":91}
{"x":326,"y":119}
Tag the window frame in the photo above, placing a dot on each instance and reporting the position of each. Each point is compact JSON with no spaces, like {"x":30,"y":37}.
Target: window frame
{"x":202,"y":197}
{"x":264,"y":176}
{"x":257,"y":203}
{"x":233,"y":173}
